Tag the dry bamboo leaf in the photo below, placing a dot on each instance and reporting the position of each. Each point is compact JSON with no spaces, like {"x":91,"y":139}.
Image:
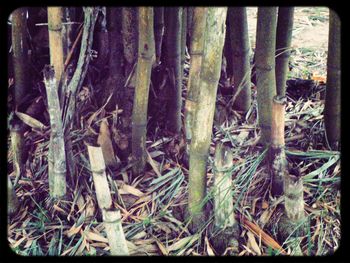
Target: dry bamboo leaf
{"x":128,"y":189}
{"x":153,"y":164}
{"x":30,"y":121}
{"x":73,"y":230}
{"x":67,"y":251}
{"x":18,"y":242}
{"x":104,"y":140}
{"x":264,"y":204}
{"x":161,"y":247}
{"x":182,"y":243}
{"x":252,"y":243}
{"x":94,"y":236}
{"x":209,"y":248}
{"x":29,"y":242}
{"x":269,"y":241}
{"x":59,"y":209}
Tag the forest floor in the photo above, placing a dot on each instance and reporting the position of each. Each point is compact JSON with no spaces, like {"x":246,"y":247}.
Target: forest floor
{"x":152,"y":205}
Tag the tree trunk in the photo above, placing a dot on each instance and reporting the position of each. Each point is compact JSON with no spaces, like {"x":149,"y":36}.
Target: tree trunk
{"x":158,"y":31}
{"x":54,"y":18}
{"x":204,"y":114}
{"x":332,"y":104}
{"x":196,"y":54}
{"x":265,"y":68}
{"x":283,"y":44}
{"x":173,"y":43}
{"x":239,"y":40}
{"x":278,"y":162}
{"x":146,"y":56}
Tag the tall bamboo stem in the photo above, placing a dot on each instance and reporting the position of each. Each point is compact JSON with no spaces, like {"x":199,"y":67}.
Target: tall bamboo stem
{"x":204,"y":114}
{"x":54,"y":18}
{"x":173,"y":43}
{"x":283,"y":44}
{"x":196,"y":54}
{"x":57,"y":170}
{"x":332,"y":104}
{"x":265,"y":68}
{"x":146,"y":56}
{"x":158,"y":31}
{"x":239,"y":40}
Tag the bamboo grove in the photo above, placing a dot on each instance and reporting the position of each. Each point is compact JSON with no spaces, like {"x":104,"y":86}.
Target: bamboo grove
{"x":141,"y":52}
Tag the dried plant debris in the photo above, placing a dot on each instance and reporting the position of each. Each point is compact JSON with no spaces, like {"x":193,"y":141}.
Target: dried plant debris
{"x":153,"y":205}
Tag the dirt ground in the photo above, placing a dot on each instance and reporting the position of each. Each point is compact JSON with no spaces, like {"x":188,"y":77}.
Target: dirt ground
{"x":310,"y":39}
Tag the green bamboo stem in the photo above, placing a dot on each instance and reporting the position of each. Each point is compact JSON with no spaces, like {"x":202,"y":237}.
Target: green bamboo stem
{"x":196,"y":54}
{"x":204,"y":114}
{"x":57,"y":170}
{"x":158,"y":31}
{"x":54,"y":19}
{"x":283,"y":44}
{"x":12,"y":200}
{"x":239,"y":40}
{"x":332,"y":104}
{"x":146,"y":56}
{"x":173,"y":43}
{"x":265,"y":68}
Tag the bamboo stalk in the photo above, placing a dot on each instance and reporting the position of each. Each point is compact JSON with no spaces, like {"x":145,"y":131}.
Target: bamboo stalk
{"x":332,"y":103}
{"x":196,"y":54}
{"x":22,"y":86}
{"x":183,"y":39}
{"x":265,"y":68}
{"x":54,"y":20}
{"x":12,"y":200}
{"x":173,"y":43}
{"x":158,"y":31}
{"x":239,"y":40}
{"x":204,"y":114}
{"x":224,"y":217}
{"x":111,"y":217}
{"x":283,"y":43}
{"x":146,"y":56}
{"x":20,"y":56}
{"x":90,"y":15}
{"x":115,"y":233}
{"x":98,"y":169}
{"x":101,"y":39}
{"x":57,"y":175}
{"x":278,"y":162}
{"x":130,"y":36}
